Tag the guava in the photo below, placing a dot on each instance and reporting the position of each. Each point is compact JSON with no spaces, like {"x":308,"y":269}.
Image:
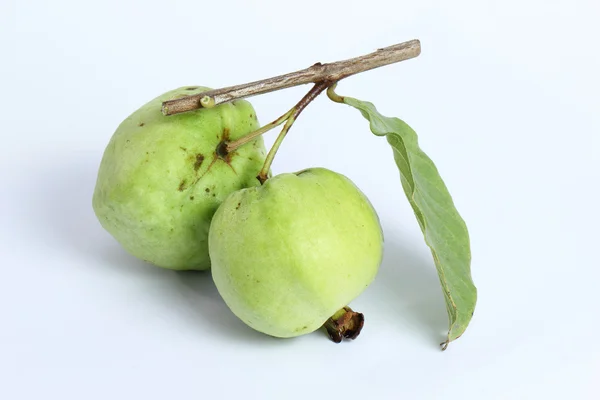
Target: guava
{"x":161,"y":178}
{"x":288,"y":255}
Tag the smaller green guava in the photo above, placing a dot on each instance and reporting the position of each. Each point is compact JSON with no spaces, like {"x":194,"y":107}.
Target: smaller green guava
{"x":287,"y":255}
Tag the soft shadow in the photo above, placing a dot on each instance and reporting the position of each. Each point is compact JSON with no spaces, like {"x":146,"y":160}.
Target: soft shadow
{"x":409,"y":288}
{"x":207,"y":306}
{"x":62,"y":203}
{"x":407,"y":285}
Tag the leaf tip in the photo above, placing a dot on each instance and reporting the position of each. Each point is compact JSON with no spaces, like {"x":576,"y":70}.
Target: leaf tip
{"x":444,"y":345}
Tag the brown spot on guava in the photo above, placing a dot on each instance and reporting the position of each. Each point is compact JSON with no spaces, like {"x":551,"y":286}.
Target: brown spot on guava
{"x":181,"y":185}
{"x":207,"y":190}
{"x":228,"y":162}
{"x":238,"y":206}
{"x":228,"y":157}
{"x":198,"y":177}
{"x":183,"y":148}
{"x":191,"y":197}
{"x":300,"y":329}
{"x":192,"y":88}
{"x":198,"y":162}
{"x":141,"y":124}
{"x":221,"y":150}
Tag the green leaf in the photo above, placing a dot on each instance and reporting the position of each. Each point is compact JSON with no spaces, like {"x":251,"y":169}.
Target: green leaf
{"x":444,"y":230}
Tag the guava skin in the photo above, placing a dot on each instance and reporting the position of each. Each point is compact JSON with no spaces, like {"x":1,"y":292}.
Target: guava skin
{"x":289,"y":254}
{"x":161,"y":180}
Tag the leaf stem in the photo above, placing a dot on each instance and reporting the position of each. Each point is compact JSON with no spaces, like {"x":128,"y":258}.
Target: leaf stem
{"x":330,"y":72}
{"x":333,"y":96}
{"x":294,"y":113}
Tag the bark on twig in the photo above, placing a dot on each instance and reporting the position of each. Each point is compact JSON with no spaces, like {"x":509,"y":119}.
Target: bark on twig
{"x":331,"y":72}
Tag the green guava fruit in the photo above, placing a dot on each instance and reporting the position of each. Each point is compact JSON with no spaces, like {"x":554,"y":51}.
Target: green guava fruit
{"x":286,"y":256}
{"x":162,"y":178}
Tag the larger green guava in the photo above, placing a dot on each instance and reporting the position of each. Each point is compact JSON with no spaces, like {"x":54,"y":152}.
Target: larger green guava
{"x":289,"y":254}
{"x":162,"y":178}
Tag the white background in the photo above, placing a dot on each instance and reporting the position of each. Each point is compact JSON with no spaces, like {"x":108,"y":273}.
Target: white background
{"x":505,"y":98}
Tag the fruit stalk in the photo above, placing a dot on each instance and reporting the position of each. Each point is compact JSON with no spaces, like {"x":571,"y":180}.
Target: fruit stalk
{"x":295,"y":112}
{"x":318,"y":72}
{"x":234,"y":145}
